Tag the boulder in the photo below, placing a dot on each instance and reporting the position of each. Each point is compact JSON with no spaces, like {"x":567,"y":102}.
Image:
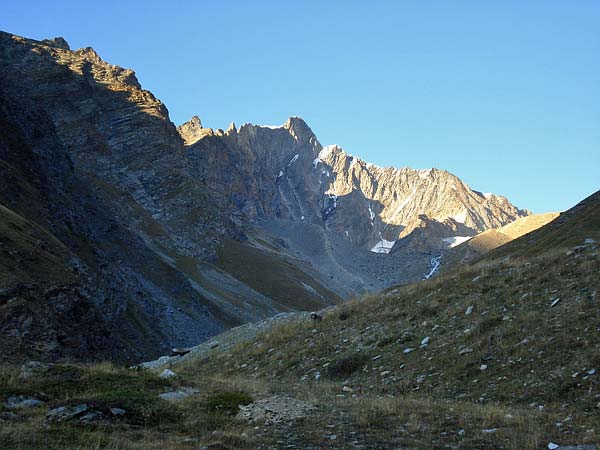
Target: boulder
{"x":31,"y":368}
{"x":180,"y":394}
{"x":22,"y":401}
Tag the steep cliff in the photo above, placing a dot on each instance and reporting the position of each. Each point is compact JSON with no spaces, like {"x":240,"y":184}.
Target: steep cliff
{"x":284,"y":172}
{"x":106,"y":209}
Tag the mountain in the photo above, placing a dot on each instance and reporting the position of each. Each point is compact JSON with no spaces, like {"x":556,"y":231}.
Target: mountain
{"x":125,"y":236}
{"x":488,"y":240}
{"x":284,"y":173}
{"x":501,"y":353}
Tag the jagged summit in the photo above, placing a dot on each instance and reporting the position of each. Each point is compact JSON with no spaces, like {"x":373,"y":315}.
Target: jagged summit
{"x":58,"y":42}
{"x":291,"y":176}
{"x":191,"y":130}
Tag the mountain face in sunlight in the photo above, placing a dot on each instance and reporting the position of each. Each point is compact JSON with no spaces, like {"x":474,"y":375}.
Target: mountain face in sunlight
{"x":124,"y":236}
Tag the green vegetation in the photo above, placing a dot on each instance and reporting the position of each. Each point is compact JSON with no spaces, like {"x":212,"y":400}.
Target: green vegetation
{"x":274,"y":276}
{"x":227,"y":402}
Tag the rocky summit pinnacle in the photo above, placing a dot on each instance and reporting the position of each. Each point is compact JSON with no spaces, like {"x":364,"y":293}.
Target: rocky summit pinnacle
{"x":58,"y":42}
{"x":191,"y":130}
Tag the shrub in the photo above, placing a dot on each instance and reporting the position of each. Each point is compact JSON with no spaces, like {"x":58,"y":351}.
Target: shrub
{"x":346,"y":366}
{"x":227,"y":402}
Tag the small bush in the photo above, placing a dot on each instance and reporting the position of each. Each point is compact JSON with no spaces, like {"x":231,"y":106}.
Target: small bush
{"x":227,"y":402}
{"x":346,"y":366}
{"x":344,"y":315}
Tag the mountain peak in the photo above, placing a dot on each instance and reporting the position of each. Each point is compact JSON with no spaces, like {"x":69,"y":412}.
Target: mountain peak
{"x":58,"y":42}
{"x":191,"y":130}
{"x":298,"y":128}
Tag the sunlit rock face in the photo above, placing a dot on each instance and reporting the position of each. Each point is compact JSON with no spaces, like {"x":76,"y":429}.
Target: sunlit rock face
{"x":284,"y":172}
{"x":124,"y":225}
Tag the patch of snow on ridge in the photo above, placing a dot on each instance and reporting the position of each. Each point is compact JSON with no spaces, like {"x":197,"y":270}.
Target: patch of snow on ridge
{"x":461,"y":217}
{"x":293,"y":160}
{"x":316,"y":162}
{"x":435,"y":265}
{"x":383,"y":246}
{"x":280,"y":174}
{"x":456,"y":240}
{"x":488,"y":195}
{"x":272,"y":127}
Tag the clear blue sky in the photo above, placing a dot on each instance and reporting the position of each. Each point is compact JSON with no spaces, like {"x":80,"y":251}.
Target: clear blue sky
{"x":504,"y":94}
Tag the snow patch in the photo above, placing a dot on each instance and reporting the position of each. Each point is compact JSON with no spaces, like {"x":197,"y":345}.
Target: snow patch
{"x":371,"y":214}
{"x":434,"y":265}
{"x":280,"y":174}
{"x":272,"y":127}
{"x":316,"y":162}
{"x":383,"y":246}
{"x":456,"y":240}
{"x":335,"y":199}
{"x":293,"y":160}
{"x":488,"y":195}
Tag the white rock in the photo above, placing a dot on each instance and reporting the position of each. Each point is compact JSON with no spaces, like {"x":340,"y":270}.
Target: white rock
{"x":483,"y":367}
{"x":425,"y":341}
{"x":469,"y":310}
{"x":178,"y":395}
{"x":22,"y":402}
{"x":555,"y":302}
{"x":553,"y":446}
{"x":117,"y":412}
{"x":408,"y":350}
{"x":167,"y":374}
{"x":489,"y":430}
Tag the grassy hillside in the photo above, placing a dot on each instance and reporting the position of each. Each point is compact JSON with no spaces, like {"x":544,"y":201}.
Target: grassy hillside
{"x":275,"y":276}
{"x":481,"y":244}
{"x":565,"y":232}
{"x":499,"y":355}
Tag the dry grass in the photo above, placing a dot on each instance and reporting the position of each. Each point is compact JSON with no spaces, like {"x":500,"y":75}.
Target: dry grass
{"x":537,"y":357}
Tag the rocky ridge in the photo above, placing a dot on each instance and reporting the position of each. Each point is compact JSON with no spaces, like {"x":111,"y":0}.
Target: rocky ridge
{"x":133,"y":222}
{"x":284,"y":173}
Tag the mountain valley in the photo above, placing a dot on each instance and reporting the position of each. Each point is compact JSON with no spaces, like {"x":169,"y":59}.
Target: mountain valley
{"x":184,"y":287}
